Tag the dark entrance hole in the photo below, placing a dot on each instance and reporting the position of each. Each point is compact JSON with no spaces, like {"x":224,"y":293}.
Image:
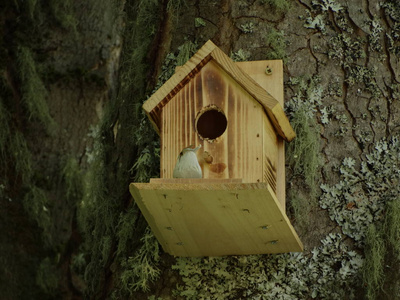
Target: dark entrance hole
{"x":211,"y":123}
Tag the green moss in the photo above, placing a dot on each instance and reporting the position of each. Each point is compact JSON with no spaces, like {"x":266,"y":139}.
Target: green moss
{"x":373,"y":272}
{"x":303,"y":157}
{"x":303,"y":151}
{"x":104,"y":213}
{"x":275,"y":41}
{"x":141,"y":269}
{"x":300,"y":205}
{"x":115,"y":232}
{"x":185,"y":51}
{"x":73,"y":177}
{"x":64,"y":14}
{"x":279,"y":6}
{"x":19,"y":153}
{"x":36,"y":205}
{"x":97,"y":215}
{"x":126,"y":230}
{"x":174,"y":7}
{"x":392,"y":227}
{"x":382,"y":254}
{"x":31,"y":7}
{"x":33,"y":90}
{"x":47,"y":276}
{"x":78,"y":263}
{"x":5,"y":132}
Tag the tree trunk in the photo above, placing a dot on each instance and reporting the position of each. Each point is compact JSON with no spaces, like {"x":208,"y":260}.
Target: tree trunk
{"x":58,"y":68}
{"x":74,"y":77}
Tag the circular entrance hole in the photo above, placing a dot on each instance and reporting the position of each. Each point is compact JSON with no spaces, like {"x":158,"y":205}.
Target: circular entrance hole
{"x":211,"y":123}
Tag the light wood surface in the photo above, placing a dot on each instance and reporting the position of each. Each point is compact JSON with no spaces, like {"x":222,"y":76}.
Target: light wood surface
{"x":216,"y":219}
{"x":273,"y":83}
{"x":238,"y":207}
{"x":153,"y":106}
{"x":194,"y":180}
{"x":238,"y":152}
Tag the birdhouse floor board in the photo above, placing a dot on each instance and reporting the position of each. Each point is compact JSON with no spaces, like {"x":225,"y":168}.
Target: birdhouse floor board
{"x":195,"y":180}
{"x":214,"y":219}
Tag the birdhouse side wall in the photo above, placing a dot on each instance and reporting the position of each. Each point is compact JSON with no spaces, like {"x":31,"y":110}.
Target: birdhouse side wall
{"x":270,"y":158}
{"x":239,"y":151}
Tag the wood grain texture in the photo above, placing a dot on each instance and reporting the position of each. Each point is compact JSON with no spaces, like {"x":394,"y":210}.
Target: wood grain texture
{"x":270,"y":155}
{"x":216,"y":219}
{"x":271,"y":105}
{"x":190,"y":68}
{"x":238,"y":152}
{"x":194,"y":180}
{"x":273,"y":83}
{"x":154,"y":105}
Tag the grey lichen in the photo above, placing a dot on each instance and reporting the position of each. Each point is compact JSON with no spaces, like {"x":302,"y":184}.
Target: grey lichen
{"x":247,"y":27}
{"x":199,"y":22}
{"x":392,"y":10}
{"x":360,"y":197}
{"x":346,"y":50}
{"x":328,"y":273}
{"x":240,"y":55}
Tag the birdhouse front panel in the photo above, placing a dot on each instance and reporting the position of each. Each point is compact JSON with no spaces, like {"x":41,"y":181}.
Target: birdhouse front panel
{"x":229,"y":196}
{"x":213,"y":110}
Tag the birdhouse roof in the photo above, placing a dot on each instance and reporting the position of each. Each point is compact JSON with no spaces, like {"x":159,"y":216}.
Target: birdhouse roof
{"x":153,"y":106}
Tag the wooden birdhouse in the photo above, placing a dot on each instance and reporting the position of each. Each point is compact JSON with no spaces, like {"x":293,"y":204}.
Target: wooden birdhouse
{"x":234,"y":111}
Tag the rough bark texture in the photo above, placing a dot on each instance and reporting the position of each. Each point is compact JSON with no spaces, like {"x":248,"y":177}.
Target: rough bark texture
{"x":70,"y":65}
{"x":333,"y":47}
{"x":99,"y":60}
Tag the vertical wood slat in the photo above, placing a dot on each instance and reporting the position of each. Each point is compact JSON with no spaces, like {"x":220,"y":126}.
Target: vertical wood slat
{"x":239,"y":148}
{"x":233,"y":140}
{"x":273,"y":83}
{"x":185,"y":73}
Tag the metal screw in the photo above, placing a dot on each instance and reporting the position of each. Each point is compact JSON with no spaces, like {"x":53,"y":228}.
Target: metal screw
{"x":268,"y":70}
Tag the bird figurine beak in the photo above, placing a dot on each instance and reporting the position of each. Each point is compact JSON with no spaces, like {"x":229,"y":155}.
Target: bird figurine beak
{"x":187,"y":165}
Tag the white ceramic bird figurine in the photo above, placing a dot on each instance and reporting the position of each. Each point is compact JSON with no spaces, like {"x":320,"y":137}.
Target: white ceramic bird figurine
{"x":187,"y":165}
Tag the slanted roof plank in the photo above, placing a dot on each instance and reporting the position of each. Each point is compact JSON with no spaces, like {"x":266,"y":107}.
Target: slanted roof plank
{"x":272,"y":107}
{"x":183,"y":74}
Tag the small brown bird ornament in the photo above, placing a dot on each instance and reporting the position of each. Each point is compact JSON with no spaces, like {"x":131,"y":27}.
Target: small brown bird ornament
{"x":187,"y":165}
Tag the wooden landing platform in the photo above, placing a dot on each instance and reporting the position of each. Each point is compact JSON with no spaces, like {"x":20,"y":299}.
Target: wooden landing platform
{"x":198,"y":217}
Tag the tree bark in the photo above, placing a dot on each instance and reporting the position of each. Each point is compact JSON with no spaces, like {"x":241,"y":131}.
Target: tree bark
{"x":73,"y":78}
{"x":58,"y":68}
